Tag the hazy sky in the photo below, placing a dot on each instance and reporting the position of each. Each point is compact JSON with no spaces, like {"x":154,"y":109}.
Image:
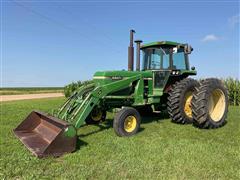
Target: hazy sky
{"x":51,"y":43}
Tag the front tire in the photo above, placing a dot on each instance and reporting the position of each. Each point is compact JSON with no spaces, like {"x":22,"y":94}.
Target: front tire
{"x":210,"y":104}
{"x":127,"y":122}
{"x":179,"y":101}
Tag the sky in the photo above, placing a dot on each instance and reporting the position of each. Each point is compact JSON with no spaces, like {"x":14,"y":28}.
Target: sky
{"x":53,"y":43}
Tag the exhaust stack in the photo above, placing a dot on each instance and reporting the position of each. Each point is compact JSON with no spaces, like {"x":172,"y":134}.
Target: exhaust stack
{"x":131,"y":52}
{"x":138,"y":42}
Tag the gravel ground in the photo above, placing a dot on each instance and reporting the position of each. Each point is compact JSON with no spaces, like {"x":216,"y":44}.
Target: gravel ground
{"x":29,"y":96}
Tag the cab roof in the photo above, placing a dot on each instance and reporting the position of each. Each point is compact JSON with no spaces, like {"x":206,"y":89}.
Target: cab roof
{"x":161,"y":43}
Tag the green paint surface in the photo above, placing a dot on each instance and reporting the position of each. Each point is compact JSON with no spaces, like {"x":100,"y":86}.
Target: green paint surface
{"x":70,"y":131}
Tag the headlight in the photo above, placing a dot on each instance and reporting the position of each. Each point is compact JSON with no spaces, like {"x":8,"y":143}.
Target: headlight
{"x":175,"y":72}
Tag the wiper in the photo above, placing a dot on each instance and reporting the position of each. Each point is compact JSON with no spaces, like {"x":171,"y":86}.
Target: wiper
{"x":163,"y":51}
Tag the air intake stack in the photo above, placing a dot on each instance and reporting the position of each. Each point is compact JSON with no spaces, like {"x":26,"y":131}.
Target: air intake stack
{"x":138,"y":42}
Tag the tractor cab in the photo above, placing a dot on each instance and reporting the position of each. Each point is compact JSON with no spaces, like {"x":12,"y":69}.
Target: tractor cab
{"x":165,"y":55}
{"x":168,"y":62}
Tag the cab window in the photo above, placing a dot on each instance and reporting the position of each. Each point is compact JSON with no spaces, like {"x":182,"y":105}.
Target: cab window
{"x":155,"y":59}
{"x":179,"y":61}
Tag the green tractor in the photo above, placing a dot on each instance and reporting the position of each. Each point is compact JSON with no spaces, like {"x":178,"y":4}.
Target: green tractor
{"x":161,"y":84}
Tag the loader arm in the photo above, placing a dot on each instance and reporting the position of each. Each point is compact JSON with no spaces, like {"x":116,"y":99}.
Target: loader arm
{"x":93,"y":98}
{"x":72,"y":102}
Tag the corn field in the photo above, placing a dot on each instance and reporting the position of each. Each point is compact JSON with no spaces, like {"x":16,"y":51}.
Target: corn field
{"x":70,"y":88}
{"x":233,"y":86}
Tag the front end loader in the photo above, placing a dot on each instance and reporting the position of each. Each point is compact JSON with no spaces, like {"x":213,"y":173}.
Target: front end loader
{"x":162,"y":83}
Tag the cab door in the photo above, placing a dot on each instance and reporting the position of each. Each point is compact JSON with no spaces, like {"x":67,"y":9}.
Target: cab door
{"x":160,"y":78}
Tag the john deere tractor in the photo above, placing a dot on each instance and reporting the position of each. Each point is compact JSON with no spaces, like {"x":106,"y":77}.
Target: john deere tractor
{"x":161,"y":83}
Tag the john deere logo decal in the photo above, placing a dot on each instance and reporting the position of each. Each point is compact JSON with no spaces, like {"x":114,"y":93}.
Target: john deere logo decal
{"x":116,"y":77}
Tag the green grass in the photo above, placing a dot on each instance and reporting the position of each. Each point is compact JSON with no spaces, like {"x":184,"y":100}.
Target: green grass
{"x":30,"y":90}
{"x":161,"y":149}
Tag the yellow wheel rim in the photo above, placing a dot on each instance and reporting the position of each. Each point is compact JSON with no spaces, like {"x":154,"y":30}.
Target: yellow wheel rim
{"x":96,"y":114}
{"x":187,"y":105}
{"x":130,"y":124}
{"x":217,"y":105}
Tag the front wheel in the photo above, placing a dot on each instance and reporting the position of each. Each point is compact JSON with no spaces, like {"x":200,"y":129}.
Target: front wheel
{"x":127,"y":122}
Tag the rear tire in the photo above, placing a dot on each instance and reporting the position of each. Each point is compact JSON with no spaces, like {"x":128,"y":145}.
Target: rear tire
{"x":127,"y":122}
{"x":210,"y":104}
{"x":179,"y":101}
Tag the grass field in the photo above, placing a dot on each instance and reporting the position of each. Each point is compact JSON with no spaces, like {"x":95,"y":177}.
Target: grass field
{"x":30,"y":90}
{"x":161,"y":150}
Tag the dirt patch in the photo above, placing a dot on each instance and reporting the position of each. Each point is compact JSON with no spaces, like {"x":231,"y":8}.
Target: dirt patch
{"x":29,"y":96}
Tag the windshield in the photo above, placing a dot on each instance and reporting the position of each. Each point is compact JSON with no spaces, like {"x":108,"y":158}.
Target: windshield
{"x":164,"y":59}
{"x":156,"y":58}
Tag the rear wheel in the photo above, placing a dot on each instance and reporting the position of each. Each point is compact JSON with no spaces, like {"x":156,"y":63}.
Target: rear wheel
{"x":96,"y":116}
{"x":127,"y":122}
{"x":179,"y":101}
{"x":210,"y":104}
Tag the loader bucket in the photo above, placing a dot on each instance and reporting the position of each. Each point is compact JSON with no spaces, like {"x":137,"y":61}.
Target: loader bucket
{"x":45,"y":135}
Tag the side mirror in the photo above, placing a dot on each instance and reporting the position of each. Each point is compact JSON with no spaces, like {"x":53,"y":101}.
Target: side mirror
{"x":192,"y":68}
{"x":188,"y":49}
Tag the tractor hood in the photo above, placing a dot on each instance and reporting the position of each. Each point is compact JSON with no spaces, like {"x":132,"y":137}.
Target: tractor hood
{"x":110,"y":74}
{"x":105,"y":77}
